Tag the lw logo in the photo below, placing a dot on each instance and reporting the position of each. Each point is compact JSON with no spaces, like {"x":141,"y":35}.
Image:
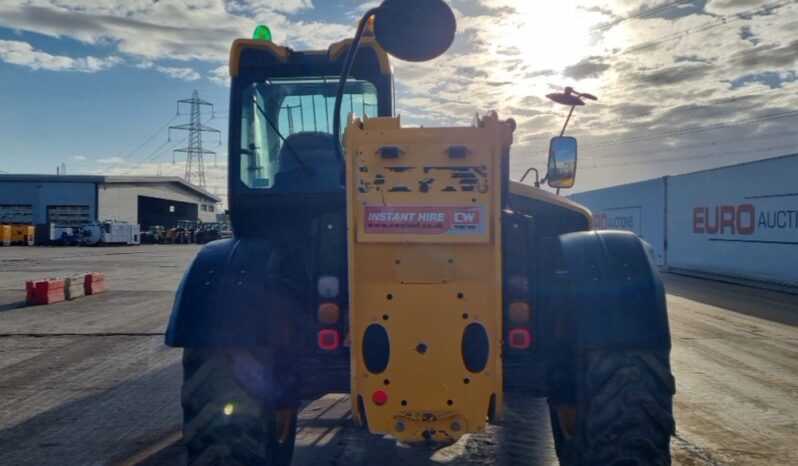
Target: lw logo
{"x":465,"y":217}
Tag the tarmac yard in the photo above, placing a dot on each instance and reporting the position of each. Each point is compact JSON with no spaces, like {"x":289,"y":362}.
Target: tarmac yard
{"x":90,"y":381}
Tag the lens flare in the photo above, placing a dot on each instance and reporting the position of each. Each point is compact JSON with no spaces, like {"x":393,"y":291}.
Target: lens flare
{"x":228,"y":409}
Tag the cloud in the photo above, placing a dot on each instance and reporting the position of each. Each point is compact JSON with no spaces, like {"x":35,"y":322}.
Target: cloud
{"x":220,"y":75}
{"x":111,"y":160}
{"x":79,"y":158}
{"x":589,"y":67}
{"x":174,"y":30}
{"x":768,"y":55}
{"x":23,"y":54}
{"x":655,"y":65}
{"x":724,"y":7}
{"x":186,"y":74}
{"x":284,"y":6}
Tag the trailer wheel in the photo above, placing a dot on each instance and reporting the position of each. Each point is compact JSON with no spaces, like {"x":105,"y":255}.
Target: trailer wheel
{"x":622,"y":413}
{"x":229,"y":414}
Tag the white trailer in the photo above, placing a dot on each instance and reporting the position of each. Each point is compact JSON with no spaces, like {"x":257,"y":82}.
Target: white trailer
{"x":120,"y":233}
{"x":636,"y":207}
{"x":739,"y":222}
{"x":736,"y":223}
{"x":111,"y":233}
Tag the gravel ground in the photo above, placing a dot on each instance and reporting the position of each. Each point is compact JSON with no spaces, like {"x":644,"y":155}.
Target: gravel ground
{"x":90,"y":382}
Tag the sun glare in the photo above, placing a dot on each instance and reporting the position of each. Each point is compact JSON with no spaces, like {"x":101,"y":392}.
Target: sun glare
{"x":549,"y":35}
{"x":538,"y":40}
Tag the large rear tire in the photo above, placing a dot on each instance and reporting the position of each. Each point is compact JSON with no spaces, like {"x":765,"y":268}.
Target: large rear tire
{"x":621,"y":411}
{"x":230,"y":414}
{"x":523,"y":436}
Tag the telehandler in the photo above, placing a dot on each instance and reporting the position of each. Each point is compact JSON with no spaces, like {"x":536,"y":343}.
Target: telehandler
{"x":404,"y":267}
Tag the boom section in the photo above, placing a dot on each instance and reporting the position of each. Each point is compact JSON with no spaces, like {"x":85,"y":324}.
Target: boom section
{"x":423,"y":207}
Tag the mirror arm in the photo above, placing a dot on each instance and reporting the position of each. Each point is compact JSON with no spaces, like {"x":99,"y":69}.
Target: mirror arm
{"x":345,"y":69}
{"x":570,"y":112}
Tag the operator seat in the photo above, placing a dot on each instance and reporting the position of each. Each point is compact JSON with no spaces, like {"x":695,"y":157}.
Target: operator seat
{"x":316,"y":151}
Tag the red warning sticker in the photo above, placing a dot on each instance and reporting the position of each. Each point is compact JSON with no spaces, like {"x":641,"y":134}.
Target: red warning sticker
{"x":424,"y":220}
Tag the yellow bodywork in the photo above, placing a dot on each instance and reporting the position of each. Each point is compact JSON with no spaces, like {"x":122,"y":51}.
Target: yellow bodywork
{"x":5,"y":235}
{"x":282,"y":54}
{"x":424,"y":218}
{"x":23,"y":234}
{"x":549,"y":198}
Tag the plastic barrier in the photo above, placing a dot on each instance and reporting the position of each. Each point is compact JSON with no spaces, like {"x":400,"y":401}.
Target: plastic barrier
{"x":45,"y":291}
{"x":74,"y":286}
{"x":94,"y":282}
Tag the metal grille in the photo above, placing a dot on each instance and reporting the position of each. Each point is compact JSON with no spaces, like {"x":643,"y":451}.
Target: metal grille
{"x":68,"y":215}
{"x":16,"y":213}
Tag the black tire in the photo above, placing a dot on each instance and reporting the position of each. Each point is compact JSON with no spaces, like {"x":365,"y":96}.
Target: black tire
{"x":524,"y":432}
{"x":621,"y":412}
{"x":229,"y":415}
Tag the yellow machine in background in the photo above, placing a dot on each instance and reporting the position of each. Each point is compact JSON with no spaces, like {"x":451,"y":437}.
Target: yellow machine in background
{"x":5,"y":235}
{"x":17,"y":234}
{"x":425,"y":275}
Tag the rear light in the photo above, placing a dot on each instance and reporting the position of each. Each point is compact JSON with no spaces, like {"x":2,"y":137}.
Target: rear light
{"x":329,"y":313}
{"x":380,"y":397}
{"x":328,"y":286}
{"x":520,"y":338}
{"x":329,"y":339}
{"x":519,"y":285}
{"x":518,"y":312}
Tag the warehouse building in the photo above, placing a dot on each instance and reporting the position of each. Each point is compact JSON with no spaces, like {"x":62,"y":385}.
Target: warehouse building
{"x":78,"y":199}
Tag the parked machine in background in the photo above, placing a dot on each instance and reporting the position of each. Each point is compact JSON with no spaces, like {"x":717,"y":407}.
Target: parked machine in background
{"x":184,"y":232}
{"x":211,"y":231}
{"x":110,"y":232}
{"x":409,"y":271}
{"x":17,"y":234}
{"x":51,"y":234}
{"x":5,"y":235}
{"x":156,"y":234}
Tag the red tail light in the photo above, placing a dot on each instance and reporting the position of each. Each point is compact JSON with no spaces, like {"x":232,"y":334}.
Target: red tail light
{"x":329,"y":339}
{"x":520,"y":338}
{"x":380,"y":397}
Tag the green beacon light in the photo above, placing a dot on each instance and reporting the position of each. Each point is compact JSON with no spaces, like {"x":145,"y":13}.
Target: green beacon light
{"x":262,"y":32}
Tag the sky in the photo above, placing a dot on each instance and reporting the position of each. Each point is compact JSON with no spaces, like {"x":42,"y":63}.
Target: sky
{"x":682,"y":85}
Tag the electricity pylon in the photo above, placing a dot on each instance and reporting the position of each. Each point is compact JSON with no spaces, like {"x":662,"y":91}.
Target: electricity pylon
{"x":195,"y":167}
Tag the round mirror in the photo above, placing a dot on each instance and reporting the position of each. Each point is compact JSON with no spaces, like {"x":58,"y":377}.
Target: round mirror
{"x":414,"y":30}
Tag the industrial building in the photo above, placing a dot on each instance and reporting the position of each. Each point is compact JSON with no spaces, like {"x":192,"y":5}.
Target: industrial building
{"x":73,"y":200}
{"x":738,"y":223}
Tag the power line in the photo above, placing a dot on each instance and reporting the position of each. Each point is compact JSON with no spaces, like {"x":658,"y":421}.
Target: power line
{"x":146,"y":141}
{"x":737,"y":98}
{"x":643,"y":14}
{"x":717,"y":142}
{"x":715,"y":22}
{"x":691,"y":157}
{"x":692,"y":130}
{"x":697,"y":129}
{"x":152,"y":155}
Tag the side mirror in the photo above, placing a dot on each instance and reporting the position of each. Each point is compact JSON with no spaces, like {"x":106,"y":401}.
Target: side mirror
{"x":414,"y":30}
{"x":562,"y":162}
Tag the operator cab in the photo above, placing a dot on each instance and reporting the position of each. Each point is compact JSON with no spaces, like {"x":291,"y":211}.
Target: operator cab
{"x":283,"y":165}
